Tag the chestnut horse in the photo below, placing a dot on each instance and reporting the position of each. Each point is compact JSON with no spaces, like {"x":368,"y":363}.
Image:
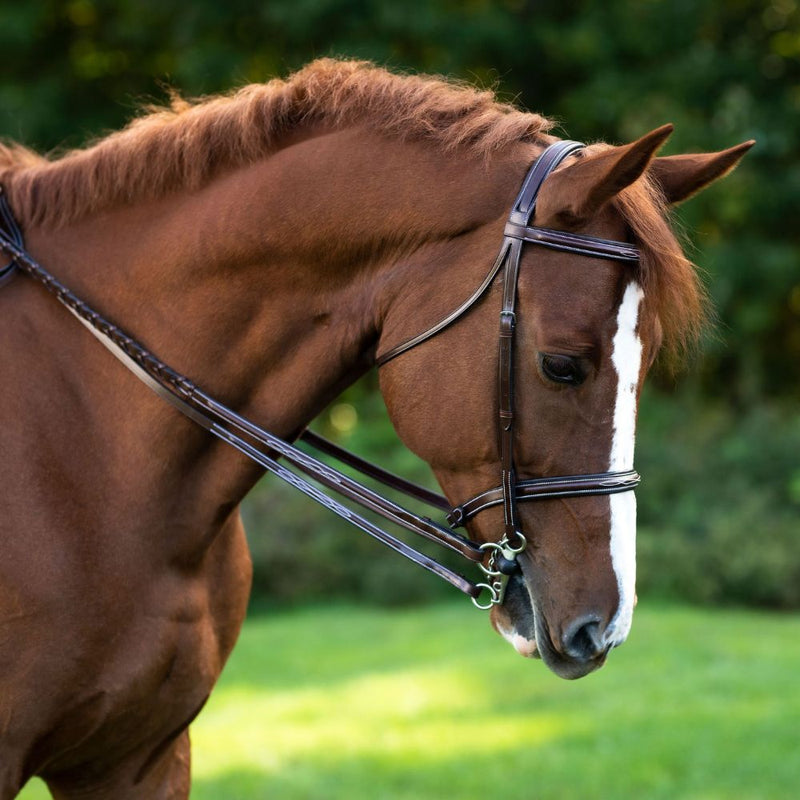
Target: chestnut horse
{"x":270,"y":244}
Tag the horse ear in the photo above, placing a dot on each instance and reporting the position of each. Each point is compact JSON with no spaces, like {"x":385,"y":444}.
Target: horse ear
{"x":682,"y":176}
{"x":577,"y":192}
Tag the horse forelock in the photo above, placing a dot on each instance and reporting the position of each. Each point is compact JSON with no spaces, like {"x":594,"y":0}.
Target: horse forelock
{"x":184,"y":146}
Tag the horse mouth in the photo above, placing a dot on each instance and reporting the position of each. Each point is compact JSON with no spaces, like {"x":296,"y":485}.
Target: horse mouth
{"x":515,"y":619}
{"x":522,"y":624}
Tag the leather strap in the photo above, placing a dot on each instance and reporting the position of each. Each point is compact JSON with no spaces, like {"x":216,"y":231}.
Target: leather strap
{"x":386,"y":357}
{"x":257,"y":443}
{"x":580,"y":244}
{"x":375,"y":472}
{"x":545,"y":489}
{"x":521,"y":213}
{"x":525,"y":204}
{"x":505,"y":383}
{"x":10,"y":226}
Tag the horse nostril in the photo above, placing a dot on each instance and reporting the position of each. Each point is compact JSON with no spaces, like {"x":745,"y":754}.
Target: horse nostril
{"x":583,"y":639}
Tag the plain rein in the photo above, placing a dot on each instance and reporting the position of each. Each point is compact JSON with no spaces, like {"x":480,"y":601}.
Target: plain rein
{"x":262,"y":447}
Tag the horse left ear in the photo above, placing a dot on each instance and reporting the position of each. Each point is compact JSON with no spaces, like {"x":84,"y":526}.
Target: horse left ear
{"x":683,"y":176}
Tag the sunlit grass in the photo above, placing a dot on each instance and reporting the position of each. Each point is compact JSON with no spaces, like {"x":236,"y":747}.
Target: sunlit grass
{"x":350,"y":703}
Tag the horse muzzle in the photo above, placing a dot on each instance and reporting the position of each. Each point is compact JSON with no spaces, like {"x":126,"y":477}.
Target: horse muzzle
{"x":572,"y":649}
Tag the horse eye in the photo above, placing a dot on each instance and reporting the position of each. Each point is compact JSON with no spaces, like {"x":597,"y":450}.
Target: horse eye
{"x":561,"y":369}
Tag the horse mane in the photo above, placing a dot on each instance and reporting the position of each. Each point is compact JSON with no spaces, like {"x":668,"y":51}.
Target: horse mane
{"x":187,"y":144}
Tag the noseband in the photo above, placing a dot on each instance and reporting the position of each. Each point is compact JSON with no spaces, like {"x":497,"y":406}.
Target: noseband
{"x":496,"y":559}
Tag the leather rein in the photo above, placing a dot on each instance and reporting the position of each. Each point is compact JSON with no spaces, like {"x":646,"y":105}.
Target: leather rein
{"x":497,"y":560}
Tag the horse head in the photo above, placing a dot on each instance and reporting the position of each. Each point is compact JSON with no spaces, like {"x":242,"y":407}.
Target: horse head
{"x":587,"y":331}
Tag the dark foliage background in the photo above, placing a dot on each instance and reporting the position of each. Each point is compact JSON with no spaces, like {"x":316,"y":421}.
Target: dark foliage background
{"x":719,"y":445}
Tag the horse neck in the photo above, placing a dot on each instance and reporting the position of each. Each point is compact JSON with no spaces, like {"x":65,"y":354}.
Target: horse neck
{"x":266,"y":288}
{"x":231,"y":286}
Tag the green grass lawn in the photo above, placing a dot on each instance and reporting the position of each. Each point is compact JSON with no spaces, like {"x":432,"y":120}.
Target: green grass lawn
{"x":348,"y":703}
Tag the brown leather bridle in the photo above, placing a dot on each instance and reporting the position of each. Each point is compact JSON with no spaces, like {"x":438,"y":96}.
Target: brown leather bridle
{"x":497,"y":559}
{"x":518,"y":231}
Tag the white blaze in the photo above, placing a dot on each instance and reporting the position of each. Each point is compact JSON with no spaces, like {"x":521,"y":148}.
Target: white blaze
{"x":626,"y":357}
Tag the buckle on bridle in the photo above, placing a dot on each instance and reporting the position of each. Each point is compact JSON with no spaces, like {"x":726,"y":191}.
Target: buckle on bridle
{"x":501,"y":566}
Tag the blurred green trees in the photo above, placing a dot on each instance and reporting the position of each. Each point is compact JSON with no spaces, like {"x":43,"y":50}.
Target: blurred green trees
{"x":721,"y":70}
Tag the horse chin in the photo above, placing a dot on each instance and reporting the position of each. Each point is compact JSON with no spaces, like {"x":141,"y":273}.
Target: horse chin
{"x":519,"y":623}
